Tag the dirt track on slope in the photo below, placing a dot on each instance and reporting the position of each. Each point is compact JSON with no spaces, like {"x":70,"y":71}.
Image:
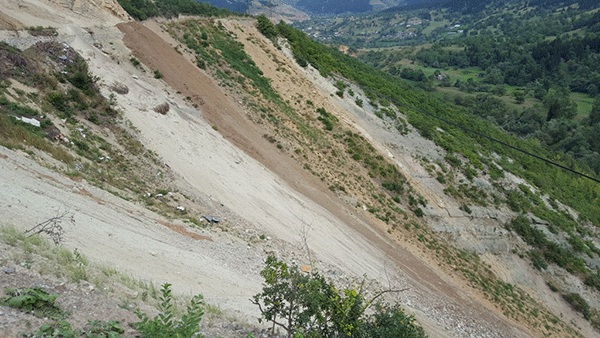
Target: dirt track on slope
{"x":438,"y":294}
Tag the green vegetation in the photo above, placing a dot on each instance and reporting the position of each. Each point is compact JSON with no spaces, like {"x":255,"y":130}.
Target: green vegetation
{"x":34,"y":300}
{"x":135,"y":61}
{"x":545,"y":59}
{"x":42,"y":31}
{"x":60,"y":84}
{"x":556,"y":183}
{"x":307,"y":305}
{"x":165,"y":324}
{"x":16,"y":134}
{"x":60,"y":262}
{"x":327,"y":118}
{"x":144,"y":9}
{"x":94,"y":329}
{"x":546,"y":249}
{"x":213,"y":44}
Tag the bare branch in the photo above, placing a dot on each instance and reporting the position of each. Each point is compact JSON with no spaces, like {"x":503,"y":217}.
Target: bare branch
{"x":272,"y":320}
{"x":304,"y":236}
{"x":381,"y":293}
{"x":53,"y":226}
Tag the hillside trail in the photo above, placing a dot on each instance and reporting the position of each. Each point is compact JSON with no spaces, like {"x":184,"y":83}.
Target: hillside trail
{"x":233,"y":172}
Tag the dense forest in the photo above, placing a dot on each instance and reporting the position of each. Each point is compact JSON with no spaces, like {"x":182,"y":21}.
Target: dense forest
{"x":517,"y":50}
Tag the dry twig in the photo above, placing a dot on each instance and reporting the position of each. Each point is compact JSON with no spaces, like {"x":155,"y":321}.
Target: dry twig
{"x":53,"y":226}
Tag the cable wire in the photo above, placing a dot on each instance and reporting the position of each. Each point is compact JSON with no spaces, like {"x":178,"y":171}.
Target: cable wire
{"x":470,"y":130}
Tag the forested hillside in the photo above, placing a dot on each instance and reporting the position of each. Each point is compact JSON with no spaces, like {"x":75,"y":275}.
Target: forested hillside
{"x":143,"y":9}
{"x":546,"y":58}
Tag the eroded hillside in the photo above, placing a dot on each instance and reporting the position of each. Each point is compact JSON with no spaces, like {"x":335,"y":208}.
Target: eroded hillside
{"x":248,"y":136}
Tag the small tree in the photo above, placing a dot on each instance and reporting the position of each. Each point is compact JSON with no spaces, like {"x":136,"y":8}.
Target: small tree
{"x":307,"y":305}
{"x":390,"y":321}
{"x":559,"y":104}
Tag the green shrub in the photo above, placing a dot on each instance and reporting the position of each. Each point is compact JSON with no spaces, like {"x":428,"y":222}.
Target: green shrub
{"x":593,"y":280}
{"x":266,"y":27}
{"x":551,"y":251}
{"x":307,"y":305}
{"x":60,"y":101}
{"x":578,"y":304}
{"x":101,"y":329}
{"x":35,"y":300}
{"x":60,"y":329}
{"x":165,"y":324}
{"x":390,"y":321}
{"x":419,"y":212}
{"x":537,"y":259}
{"x":326,"y":118}
{"x":517,"y":201}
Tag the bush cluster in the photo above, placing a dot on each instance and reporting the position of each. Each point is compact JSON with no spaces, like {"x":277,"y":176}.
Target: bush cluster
{"x":307,"y":305}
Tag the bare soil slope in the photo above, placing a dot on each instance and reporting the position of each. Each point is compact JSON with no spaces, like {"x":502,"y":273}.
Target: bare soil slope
{"x":332,"y":238}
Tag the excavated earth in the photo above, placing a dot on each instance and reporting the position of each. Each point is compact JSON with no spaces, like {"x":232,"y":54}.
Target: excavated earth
{"x":220,"y":160}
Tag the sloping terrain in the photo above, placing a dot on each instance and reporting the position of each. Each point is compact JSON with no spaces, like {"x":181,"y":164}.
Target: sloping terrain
{"x":217,"y":159}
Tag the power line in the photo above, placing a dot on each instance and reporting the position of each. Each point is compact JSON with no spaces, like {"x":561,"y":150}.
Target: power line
{"x":471,"y":130}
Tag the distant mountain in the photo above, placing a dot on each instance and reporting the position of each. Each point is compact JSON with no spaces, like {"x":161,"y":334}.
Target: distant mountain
{"x":360,"y":6}
{"x":315,"y":6}
{"x":240,"y":6}
{"x":334,"y":6}
{"x":349,"y":6}
{"x":472,"y":7}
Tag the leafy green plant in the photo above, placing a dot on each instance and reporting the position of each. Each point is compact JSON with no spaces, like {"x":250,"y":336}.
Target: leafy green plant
{"x":327,"y":118}
{"x":165,"y":324}
{"x":578,"y":303}
{"x":135,"y":61}
{"x":103,"y":329}
{"x":35,"y":300}
{"x":60,"y":329}
{"x":390,"y":321}
{"x":94,"y":329}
